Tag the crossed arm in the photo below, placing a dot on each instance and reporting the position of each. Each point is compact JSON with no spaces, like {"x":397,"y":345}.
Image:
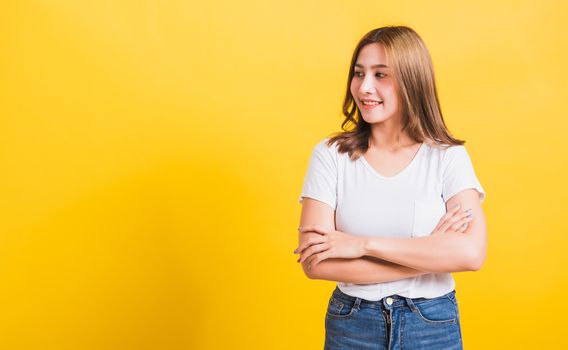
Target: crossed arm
{"x":390,"y":259}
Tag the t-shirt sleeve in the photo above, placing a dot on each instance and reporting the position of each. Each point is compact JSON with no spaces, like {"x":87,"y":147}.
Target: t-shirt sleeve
{"x":320,"y":181}
{"x":458,"y":173}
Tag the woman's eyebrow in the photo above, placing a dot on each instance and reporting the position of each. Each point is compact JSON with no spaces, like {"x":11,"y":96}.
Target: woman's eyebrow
{"x":380,"y":65}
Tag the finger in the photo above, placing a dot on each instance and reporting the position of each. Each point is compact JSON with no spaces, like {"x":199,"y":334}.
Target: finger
{"x":309,"y":242}
{"x":455,"y":208}
{"x":456,"y":225}
{"x":450,"y":218}
{"x":313,"y":228}
{"x":457,"y":217}
{"x":453,"y":220}
{"x":448,"y":215}
{"x":448,"y":223}
{"x":313,"y":250}
{"x":320,"y":257}
{"x":460,"y":222}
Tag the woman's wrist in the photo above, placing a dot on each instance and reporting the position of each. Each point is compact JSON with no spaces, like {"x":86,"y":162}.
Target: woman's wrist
{"x":369,"y":246}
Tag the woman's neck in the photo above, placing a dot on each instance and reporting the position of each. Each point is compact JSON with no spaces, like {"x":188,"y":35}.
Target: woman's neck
{"x":389,"y":137}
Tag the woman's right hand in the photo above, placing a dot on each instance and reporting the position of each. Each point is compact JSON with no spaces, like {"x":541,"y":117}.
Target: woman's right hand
{"x":454,"y":221}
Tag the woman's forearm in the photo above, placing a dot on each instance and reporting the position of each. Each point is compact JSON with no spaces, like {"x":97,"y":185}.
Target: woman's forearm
{"x":437,"y":253}
{"x":364,"y":270}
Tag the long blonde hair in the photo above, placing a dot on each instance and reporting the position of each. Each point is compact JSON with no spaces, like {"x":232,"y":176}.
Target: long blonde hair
{"x":413,"y":72}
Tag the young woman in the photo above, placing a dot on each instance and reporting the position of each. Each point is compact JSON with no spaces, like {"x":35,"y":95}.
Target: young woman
{"x":392,"y":206}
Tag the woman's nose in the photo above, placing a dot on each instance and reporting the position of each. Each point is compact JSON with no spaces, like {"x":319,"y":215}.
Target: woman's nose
{"x":367,"y":84}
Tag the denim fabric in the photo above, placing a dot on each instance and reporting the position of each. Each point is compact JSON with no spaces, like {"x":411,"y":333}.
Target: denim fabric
{"x":394,"y":322}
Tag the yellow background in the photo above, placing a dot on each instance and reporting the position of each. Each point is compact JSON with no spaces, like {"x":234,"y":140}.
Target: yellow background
{"x":152,"y":154}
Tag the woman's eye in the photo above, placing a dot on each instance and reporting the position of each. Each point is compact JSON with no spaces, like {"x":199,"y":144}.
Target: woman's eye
{"x":360,"y":74}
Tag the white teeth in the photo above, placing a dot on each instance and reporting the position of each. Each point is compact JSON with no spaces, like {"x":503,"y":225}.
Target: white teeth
{"x":371,"y":103}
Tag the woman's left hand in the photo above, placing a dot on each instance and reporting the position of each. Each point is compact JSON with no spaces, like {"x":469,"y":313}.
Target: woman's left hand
{"x":330,"y":244}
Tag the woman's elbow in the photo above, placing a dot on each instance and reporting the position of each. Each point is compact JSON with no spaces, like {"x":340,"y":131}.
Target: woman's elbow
{"x":476,"y":258}
{"x":310,"y":272}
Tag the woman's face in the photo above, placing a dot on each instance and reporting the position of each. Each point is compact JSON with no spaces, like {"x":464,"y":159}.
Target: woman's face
{"x":372,"y":86}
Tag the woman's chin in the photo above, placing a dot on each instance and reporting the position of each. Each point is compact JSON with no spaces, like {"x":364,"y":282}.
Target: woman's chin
{"x":373,"y":119}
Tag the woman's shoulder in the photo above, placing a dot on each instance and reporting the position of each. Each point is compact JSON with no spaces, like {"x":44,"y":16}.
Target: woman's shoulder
{"x":445,"y":154}
{"x":328,"y":151}
{"x":450,"y":156}
{"x":443,"y":148}
{"x":324,"y":145}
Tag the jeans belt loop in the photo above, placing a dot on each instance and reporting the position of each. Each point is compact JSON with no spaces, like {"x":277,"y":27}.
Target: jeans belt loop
{"x":357,"y":303}
{"x":411,"y":304}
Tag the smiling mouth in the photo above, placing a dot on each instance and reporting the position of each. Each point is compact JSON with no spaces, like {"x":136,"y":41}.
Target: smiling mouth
{"x":368,"y":104}
{"x":371,"y":103}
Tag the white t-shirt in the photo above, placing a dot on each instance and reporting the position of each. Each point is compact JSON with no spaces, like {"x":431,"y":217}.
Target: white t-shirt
{"x":408,"y":204}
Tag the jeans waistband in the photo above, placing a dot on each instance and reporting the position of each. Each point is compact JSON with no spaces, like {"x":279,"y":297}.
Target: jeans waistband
{"x":389,"y":301}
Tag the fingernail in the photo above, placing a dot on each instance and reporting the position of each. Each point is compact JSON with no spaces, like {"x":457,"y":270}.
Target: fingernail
{"x":470,"y":214}
{"x":469,"y":209}
{"x":295,"y":251}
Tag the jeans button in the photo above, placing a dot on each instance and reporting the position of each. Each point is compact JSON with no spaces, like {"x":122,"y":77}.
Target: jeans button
{"x":389,"y":301}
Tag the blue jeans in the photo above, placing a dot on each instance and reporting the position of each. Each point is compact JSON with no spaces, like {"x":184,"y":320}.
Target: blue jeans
{"x":394,"y":322}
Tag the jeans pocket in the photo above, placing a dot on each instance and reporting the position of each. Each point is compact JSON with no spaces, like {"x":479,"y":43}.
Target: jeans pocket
{"x":437,"y":311}
{"x":339,"y":308}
